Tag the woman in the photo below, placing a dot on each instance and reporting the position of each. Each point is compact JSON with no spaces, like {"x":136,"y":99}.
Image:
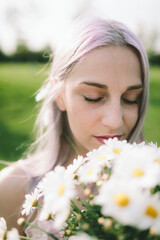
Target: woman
{"x":97,"y":89}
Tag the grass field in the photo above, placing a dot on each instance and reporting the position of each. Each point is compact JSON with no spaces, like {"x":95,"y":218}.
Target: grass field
{"x":152,"y":123}
{"x":19,"y":82}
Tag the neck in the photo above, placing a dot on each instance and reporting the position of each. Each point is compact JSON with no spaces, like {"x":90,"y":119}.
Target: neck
{"x":72,"y":155}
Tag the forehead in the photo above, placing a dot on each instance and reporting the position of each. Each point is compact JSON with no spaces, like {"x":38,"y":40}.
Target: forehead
{"x":108,"y":63}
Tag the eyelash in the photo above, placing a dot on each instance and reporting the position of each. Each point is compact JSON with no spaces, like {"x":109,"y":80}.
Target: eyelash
{"x":130,"y":102}
{"x":92,"y":100}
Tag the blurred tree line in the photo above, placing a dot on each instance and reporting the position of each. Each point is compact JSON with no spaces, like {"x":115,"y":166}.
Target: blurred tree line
{"x":154,"y":58}
{"x":23,"y":54}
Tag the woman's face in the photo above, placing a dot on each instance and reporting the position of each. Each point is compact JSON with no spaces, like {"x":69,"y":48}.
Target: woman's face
{"x":101,"y":96}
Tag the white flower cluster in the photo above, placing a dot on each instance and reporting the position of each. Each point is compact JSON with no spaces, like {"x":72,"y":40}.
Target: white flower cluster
{"x":125,"y":195}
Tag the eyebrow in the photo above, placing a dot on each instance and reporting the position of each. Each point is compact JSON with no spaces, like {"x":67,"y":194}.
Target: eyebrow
{"x":93,"y":84}
{"x":134,"y":87}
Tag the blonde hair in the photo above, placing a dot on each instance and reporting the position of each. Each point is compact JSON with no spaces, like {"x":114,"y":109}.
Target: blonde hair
{"x":51,"y":147}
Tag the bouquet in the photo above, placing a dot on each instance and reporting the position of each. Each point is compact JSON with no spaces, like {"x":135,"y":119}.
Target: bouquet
{"x":112,"y":193}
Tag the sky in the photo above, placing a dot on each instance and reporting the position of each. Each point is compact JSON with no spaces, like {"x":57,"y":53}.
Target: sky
{"x":42,"y":22}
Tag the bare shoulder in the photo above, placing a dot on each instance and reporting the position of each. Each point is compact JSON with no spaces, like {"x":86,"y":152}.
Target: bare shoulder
{"x":14,"y":184}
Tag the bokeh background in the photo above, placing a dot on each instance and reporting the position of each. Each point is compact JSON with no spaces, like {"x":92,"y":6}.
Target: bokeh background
{"x":29,"y":32}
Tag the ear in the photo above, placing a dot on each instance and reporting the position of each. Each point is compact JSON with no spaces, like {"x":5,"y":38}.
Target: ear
{"x":60,"y":100}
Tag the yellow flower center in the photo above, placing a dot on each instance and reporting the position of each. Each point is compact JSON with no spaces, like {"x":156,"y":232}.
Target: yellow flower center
{"x":101,"y":158}
{"x":90,"y":171}
{"x":137,"y":172}
{"x":121,"y":200}
{"x":157,"y":160}
{"x":151,"y":212}
{"x":117,"y":150}
{"x":34,"y":203}
{"x":61,"y":190}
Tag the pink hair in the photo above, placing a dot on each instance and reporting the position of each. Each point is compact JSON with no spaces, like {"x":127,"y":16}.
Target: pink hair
{"x":85,"y":35}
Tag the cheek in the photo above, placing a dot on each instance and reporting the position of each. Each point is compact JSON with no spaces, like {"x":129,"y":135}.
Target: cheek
{"x":76,"y":111}
{"x":131,"y":116}
{"x":80,"y":116}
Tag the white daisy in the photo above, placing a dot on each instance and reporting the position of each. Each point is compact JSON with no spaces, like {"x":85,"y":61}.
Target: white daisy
{"x":30,"y":202}
{"x":3,"y":228}
{"x":58,"y":190}
{"x":120,"y":201}
{"x":72,"y":168}
{"x":116,"y":147}
{"x":138,"y":165}
{"x":153,"y":145}
{"x":150,"y":213}
{"x":13,"y":234}
{"x":89,"y":172}
{"x":102,"y":156}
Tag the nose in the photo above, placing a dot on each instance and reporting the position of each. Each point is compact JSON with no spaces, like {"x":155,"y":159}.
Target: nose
{"x":112,"y":116}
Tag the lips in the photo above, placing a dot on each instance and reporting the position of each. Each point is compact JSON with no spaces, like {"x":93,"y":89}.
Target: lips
{"x":106,"y":137}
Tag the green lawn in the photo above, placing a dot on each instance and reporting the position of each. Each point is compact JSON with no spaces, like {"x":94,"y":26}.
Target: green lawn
{"x":152,"y":122}
{"x":19,"y":82}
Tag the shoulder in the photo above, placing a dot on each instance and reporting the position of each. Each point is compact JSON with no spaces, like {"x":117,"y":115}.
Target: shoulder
{"x":14,"y":184}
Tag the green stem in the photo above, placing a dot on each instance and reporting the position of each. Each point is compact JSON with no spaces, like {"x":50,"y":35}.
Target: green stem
{"x":37,"y":205}
{"x":83,"y":186}
{"x":75,"y":208}
{"x":81,"y":201}
{"x":107,"y":170}
{"x":22,"y":237}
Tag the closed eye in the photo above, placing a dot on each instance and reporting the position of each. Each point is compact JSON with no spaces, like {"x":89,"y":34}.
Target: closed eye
{"x":129,"y":101}
{"x":93,"y":99}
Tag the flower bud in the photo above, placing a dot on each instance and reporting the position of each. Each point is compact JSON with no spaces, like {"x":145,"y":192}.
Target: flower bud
{"x":108,"y":223}
{"x":99,"y":183}
{"x":91,"y":196}
{"x":85,"y":226}
{"x":87,"y":191}
{"x":68,"y":232}
{"x":91,"y":203}
{"x":101,"y":220}
{"x":77,"y":198}
{"x":104,"y":165}
{"x":153,"y":230}
{"x":20,"y":221}
{"x":79,"y":217}
{"x":105,"y":176}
